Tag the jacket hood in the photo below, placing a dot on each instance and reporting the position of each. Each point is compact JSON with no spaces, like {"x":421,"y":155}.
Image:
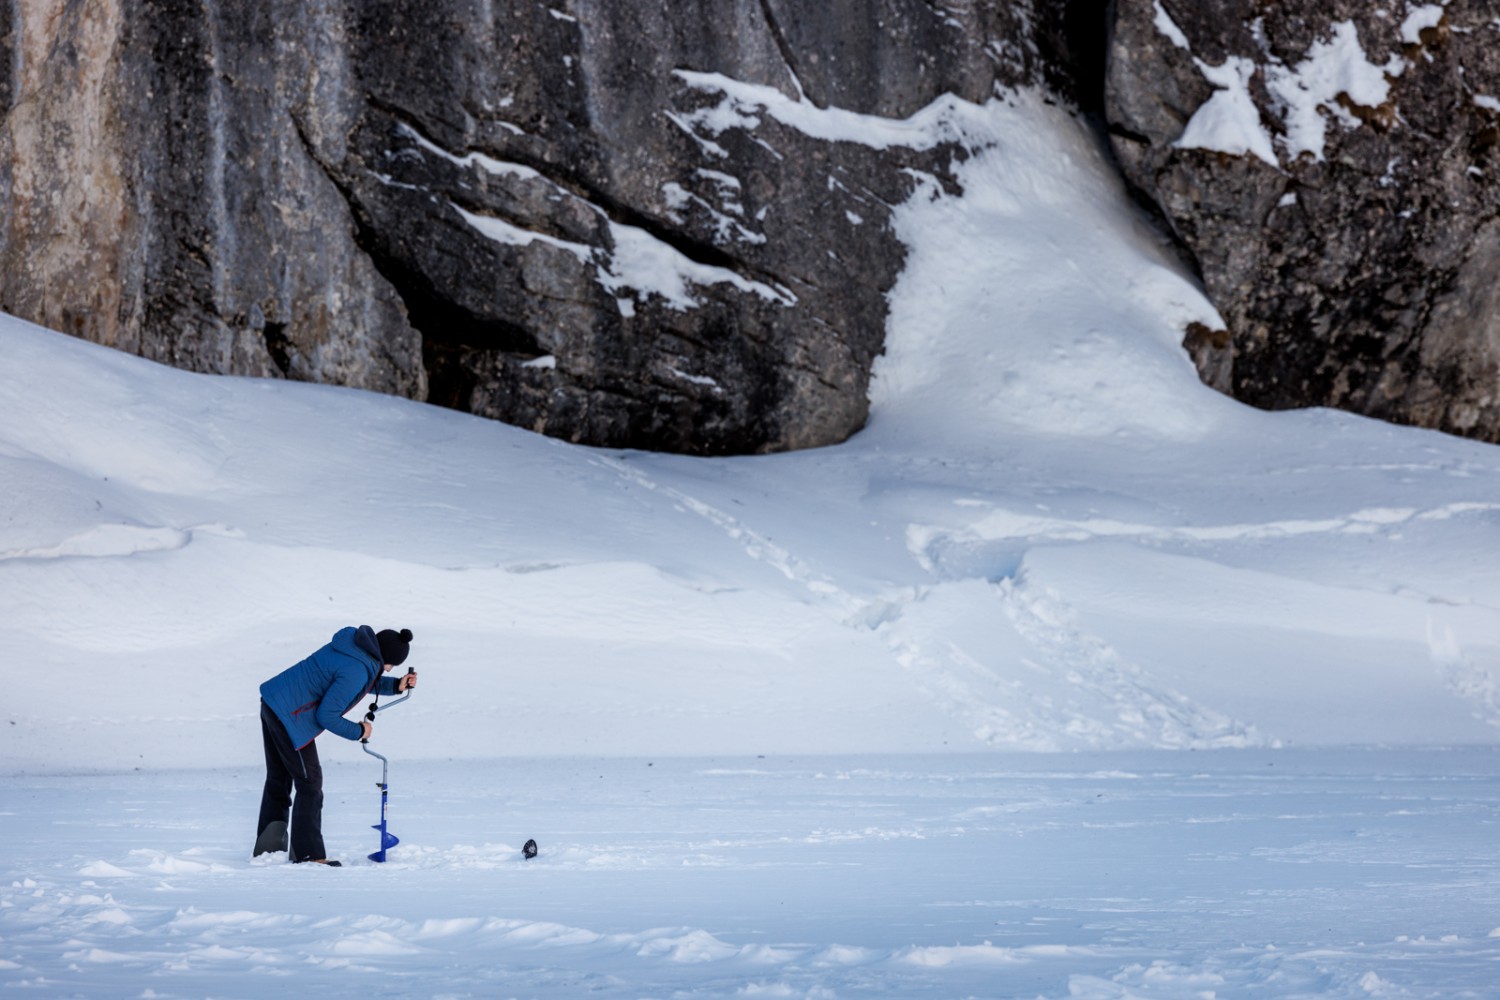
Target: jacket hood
{"x":357,"y":641}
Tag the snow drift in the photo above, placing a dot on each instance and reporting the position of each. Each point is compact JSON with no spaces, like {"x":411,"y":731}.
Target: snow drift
{"x":1049,"y":537}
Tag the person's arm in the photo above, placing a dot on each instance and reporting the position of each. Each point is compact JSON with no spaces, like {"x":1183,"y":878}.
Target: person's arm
{"x":397,"y":683}
{"x":347,"y":688}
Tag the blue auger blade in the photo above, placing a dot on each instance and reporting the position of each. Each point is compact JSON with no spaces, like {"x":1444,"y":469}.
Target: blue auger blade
{"x":387,"y":839}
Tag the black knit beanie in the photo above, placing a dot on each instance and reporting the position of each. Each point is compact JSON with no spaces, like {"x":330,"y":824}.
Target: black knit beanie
{"x":394,"y":645}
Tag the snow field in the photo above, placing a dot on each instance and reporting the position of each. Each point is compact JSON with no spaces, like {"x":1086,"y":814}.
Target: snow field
{"x":1233,"y":873}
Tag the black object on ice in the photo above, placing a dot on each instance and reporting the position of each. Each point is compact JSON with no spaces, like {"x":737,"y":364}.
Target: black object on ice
{"x":528,"y":851}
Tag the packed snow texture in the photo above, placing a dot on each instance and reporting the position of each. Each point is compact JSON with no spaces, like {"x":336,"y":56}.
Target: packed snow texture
{"x":1050,"y":538}
{"x":1344,"y":874}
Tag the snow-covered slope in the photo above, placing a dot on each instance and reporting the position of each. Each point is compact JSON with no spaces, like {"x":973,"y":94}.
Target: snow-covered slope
{"x":1050,"y":536}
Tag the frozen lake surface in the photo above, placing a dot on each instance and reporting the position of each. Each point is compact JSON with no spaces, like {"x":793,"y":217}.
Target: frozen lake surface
{"x":1133,"y":874}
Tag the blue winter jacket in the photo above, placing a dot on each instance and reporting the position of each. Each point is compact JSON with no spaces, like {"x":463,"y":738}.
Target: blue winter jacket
{"x":314,"y":695}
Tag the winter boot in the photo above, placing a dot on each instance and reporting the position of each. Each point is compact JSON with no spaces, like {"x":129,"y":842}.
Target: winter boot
{"x":272,"y":838}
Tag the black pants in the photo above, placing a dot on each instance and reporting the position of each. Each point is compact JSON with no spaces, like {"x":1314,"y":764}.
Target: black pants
{"x":288,"y":768}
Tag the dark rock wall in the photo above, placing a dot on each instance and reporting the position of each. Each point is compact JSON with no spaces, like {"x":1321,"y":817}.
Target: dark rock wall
{"x":583,"y":217}
{"x":1361,"y":271}
{"x":552,"y":214}
{"x":589,"y":249}
{"x":157,"y":199}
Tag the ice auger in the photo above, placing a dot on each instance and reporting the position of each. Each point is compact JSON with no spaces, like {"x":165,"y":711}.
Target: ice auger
{"x":387,"y":839}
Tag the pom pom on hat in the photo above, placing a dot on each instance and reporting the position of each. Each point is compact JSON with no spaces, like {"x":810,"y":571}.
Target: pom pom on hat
{"x":394,"y":645}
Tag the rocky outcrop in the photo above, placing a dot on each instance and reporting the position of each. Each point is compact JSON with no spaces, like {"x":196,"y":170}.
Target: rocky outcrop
{"x":1333,"y":167}
{"x":604,"y":220}
{"x":155,"y":201}
{"x":666,"y":226}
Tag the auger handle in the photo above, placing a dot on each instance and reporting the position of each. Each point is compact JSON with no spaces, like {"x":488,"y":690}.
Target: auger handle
{"x":376,"y":706}
{"x":385,"y":765}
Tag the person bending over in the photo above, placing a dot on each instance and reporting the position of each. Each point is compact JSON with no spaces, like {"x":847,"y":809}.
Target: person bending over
{"x":296,"y":706}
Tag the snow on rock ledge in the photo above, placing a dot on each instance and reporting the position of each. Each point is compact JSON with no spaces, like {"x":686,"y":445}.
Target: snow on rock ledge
{"x":1333,"y":169}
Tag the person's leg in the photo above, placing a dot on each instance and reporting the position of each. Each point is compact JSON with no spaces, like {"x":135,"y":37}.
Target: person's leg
{"x":276,"y":798}
{"x":307,"y":807}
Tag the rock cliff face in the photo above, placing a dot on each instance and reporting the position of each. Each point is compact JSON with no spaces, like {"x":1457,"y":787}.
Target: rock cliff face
{"x":646,"y":225}
{"x":158,"y":200}
{"x":584,"y":217}
{"x":1334,"y":168}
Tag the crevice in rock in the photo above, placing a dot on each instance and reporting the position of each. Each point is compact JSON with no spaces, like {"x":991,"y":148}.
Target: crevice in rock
{"x":788,"y":54}
{"x":1118,"y":131}
{"x":1072,"y":37}
{"x":278,"y":346}
{"x":1088,"y":26}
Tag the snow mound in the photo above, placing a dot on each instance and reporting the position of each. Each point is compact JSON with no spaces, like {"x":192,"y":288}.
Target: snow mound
{"x":1049,"y":537}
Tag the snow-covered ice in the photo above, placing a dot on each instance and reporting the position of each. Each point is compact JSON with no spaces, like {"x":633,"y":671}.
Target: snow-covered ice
{"x":766,"y":716}
{"x":1238,"y":873}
